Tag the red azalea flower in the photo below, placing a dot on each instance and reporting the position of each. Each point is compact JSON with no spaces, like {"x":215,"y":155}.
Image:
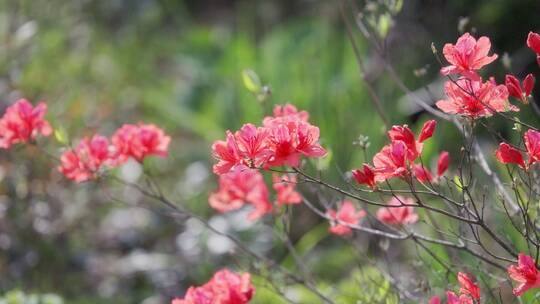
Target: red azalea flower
{"x":421,"y":173}
{"x":427,"y":130}
{"x":23,"y":122}
{"x":467,"y":56}
{"x":85,"y":161}
{"x":240,"y":186}
{"x":533,"y":42}
{"x":227,"y":153}
{"x":525,"y":273}
{"x":475,"y":98}
{"x":253,"y":145}
{"x":442,"y":163}
{"x":346,"y":214}
{"x":452,"y":298}
{"x":516,"y":90}
{"x":285,"y":190}
{"x":391,"y":161}
{"x":396,"y":213}
{"x":507,"y":154}
{"x":365,"y":176}
{"x":532,"y":145}
{"x":467,"y":286}
{"x":225,"y":287}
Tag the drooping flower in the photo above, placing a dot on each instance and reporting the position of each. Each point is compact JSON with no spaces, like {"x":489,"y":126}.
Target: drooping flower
{"x":87,"y":159}
{"x":421,"y":173}
{"x":225,"y":287}
{"x":525,"y":273}
{"x":391,"y":161}
{"x":365,"y":176}
{"x":240,"y":186}
{"x":427,"y":130}
{"x":467,"y":286}
{"x":346,"y":214}
{"x":532,"y":145}
{"x":475,"y":99}
{"x":516,"y":90}
{"x":467,"y":56}
{"x":23,"y":122}
{"x":507,"y":154}
{"x":140,"y":141}
{"x":533,"y":42}
{"x":396,"y":213}
{"x":442,"y":163}
{"x":285,"y":190}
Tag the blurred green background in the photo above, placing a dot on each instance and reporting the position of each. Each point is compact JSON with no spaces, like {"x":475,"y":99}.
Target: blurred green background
{"x":179,"y":64}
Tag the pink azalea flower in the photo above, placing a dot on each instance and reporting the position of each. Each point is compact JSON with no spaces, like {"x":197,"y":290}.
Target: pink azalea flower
{"x":23,"y":122}
{"x":467,"y":56}
{"x":284,"y":114}
{"x":525,"y":273}
{"x":396,"y":213}
{"x":442,"y":163}
{"x":391,"y":161}
{"x":85,"y":161}
{"x":225,"y":287}
{"x":475,"y":98}
{"x":517,"y":91}
{"x":346,"y":214}
{"x":253,"y":145}
{"x":285,"y":190}
{"x":227,"y":153}
{"x":435,"y":300}
{"x":365,"y":176}
{"x":533,"y":42}
{"x":532,"y":145}
{"x":467,"y":286}
{"x":140,"y":141}
{"x":427,"y":130}
{"x":507,"y":154}
{"x":241,"y":186}
{"x":452,"y":298}
{"x":422,"y":174}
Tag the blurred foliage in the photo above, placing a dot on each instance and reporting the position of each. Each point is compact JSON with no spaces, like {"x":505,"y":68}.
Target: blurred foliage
{"x":19,"y":297}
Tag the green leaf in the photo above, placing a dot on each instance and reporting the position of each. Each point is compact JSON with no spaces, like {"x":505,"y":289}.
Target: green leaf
{"x":251,"y":81}
{"x":60,"y":134}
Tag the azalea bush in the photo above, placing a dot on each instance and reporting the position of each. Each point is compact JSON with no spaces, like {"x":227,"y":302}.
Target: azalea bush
{"x":469,"y":218}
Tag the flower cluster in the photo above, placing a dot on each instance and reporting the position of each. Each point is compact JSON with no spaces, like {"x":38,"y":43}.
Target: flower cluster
{"x":508,"y":154}
{"x":23,"y":122}
{"x":469,"y":292}
{"x":225,"y":287}
{"x":398,"y":212}
{"x":92,"y":155}
{"x":397,"y":158}
{"x":281,"y":141}
{"x":469,"y":95}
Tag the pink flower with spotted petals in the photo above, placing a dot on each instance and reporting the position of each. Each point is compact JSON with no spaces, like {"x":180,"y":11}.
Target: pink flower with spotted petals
{"x":285,"y":186}
{"x":475,"y":99}
{"x":396,"y":213}
{"x":391,"y":161}
{"x":23,"y":122}
{"x":525,"y":273}
{"x":467,"y":56}
{"x":346,"y":214}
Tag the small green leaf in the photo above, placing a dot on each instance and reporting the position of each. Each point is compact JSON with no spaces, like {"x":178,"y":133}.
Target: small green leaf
{"x":251,"y":81}
{"x":60,"y":134}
